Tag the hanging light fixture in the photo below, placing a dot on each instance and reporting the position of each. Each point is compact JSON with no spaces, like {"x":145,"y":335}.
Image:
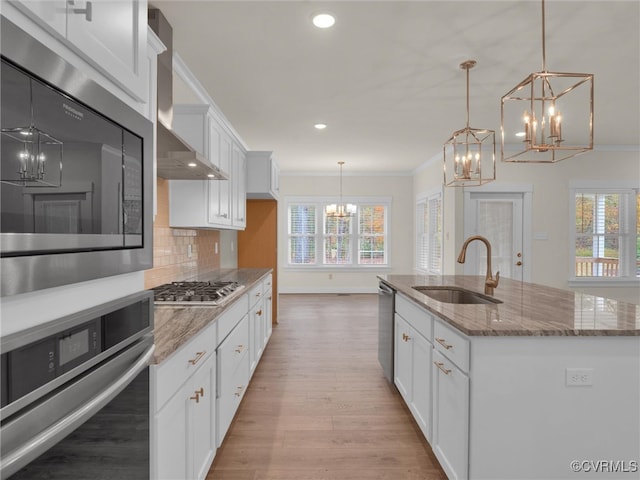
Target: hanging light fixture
{"x":31,"y":157}
{"x":340,"y":209}
{"x":470,"y":153}
{"x":548,"y":116}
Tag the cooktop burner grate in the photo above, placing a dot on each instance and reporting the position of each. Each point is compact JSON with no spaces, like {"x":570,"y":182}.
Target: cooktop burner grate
{"x":210,"y":293}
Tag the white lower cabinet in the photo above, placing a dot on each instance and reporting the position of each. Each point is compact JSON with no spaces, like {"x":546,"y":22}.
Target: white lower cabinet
{"x":197,"y":390}
{"x":450,"y":417}
{"x":184,"y":420}
{"x":233,"y":368}
{"x":413,"y":372}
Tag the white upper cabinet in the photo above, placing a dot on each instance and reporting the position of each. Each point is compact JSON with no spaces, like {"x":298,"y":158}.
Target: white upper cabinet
{"x":111,"y":36}
{"x":262,"y":175}
{"x":209,"y":203}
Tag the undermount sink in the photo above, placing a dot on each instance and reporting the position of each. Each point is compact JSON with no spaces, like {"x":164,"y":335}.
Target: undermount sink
{"x":456,"y":295}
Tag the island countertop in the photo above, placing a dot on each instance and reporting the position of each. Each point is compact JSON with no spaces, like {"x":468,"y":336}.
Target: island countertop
{"x":174,"y":325}
{"x":528,"y":309}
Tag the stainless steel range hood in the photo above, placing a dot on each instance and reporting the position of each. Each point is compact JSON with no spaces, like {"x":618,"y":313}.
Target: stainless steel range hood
{"x":177,"y":160}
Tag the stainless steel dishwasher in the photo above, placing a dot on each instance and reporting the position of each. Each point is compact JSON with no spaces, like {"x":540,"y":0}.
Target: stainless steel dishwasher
{"x":386,"y":308}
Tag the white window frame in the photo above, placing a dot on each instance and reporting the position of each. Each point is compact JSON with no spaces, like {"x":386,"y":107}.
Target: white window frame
{"x":320,"y":204}
{"x":422,"y":201}
{"x":627,"y":260}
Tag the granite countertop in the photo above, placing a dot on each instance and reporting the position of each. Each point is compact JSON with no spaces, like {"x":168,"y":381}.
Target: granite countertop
{"x":528,"y":309}
{"x":176,"y":324}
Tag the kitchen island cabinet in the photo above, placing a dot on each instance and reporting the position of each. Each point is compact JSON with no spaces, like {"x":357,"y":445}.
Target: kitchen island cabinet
{"x":523,"y":388}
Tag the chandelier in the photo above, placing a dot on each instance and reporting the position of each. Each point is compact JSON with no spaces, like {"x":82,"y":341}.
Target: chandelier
{"x":341,"y":209}
{"x":548,"y":116}
{"x":470,"y":153}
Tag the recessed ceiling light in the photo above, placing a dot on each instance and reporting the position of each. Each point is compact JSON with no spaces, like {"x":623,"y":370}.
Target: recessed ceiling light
{"x":320,"y":126}
{"x":520,"y":134}
{"x":324,"y":20}
{"x":192,"y":165}
{"x":211,"y":175}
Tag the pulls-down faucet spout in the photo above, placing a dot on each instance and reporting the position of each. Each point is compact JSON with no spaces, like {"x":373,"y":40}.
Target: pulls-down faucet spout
{"x":490,"y":283}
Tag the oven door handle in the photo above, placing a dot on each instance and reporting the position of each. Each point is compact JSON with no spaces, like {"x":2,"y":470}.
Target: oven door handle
{"x":36,"y":446}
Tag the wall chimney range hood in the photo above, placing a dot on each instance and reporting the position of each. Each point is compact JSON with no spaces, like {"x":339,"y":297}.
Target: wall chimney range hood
{"x":176,"y":159}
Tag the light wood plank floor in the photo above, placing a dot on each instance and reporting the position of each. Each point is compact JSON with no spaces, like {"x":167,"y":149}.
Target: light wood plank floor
{"x":318,"y":406}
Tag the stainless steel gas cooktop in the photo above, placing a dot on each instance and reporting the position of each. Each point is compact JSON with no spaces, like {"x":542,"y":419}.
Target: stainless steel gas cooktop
{"x":195,"y":293}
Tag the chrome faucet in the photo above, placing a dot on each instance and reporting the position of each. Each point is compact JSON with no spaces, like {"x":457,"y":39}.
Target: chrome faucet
{"x":490,"y":283}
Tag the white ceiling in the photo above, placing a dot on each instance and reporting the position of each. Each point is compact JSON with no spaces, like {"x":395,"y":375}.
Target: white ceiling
{"x":386,"y":78}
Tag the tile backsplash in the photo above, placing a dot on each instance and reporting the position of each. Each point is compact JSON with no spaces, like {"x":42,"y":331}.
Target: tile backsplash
{"x":179,"y":253}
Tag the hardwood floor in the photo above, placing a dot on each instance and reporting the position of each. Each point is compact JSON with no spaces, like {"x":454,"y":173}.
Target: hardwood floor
{"x":318,"y":406}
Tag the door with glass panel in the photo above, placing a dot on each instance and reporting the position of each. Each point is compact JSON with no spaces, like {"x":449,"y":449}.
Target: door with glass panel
{"x":500,"y":217}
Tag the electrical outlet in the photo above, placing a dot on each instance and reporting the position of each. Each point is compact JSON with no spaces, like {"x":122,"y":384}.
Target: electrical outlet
{"x":215,"y":248}
{"x":189,"y":251}
{"x":579,"y":377}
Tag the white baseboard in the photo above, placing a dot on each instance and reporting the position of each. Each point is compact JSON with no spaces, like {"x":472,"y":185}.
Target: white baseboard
{"x":336,"y":290}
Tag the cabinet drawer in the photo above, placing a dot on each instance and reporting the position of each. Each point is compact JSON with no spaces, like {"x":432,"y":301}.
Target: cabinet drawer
{"x":175,"y":370}
{"x":255,"y":294}
{"x":417,"y":317}
{"x":230,"y":318}
{"x":452,"y":344}
{"x":231,"y":353}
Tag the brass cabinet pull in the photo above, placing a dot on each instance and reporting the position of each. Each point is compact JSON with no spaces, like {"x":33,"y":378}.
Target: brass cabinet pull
{"x":440,"y":365}
{"x":239,"y":391}
{"x":259,"y":312}
{"x":518,"y":263}
{"x":258,"y":294}
{"x":406,"y":337}
{"x":443,"y":343}
{"x":197,"y":358}
{"x":199,"y":393}
{"x":239,"y":349}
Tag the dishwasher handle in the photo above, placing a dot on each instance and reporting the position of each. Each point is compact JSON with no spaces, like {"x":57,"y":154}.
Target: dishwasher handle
{"x":384,"y":289}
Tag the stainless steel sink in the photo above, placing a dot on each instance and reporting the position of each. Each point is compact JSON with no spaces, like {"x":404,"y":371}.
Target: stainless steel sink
{"x":456,"y":295}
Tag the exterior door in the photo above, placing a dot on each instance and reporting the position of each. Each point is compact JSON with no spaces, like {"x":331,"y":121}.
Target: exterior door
{"x":503,"y":218}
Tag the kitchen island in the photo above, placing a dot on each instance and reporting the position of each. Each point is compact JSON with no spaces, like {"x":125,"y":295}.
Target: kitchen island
{"x":544,"y":385}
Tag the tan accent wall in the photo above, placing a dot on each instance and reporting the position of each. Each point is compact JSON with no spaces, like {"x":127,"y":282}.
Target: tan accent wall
{"x":171,"y":261}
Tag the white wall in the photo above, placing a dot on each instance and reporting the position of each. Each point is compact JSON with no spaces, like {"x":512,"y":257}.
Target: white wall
{"x":550,"y":210}
{"x":398,"y":187}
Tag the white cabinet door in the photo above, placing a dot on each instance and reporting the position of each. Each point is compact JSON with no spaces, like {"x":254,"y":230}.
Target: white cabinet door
{"x":202,"y":397}
{"x":256,"y":332}
{"x":219,"y":190}
{"x":112,"y":35}
{"x":51,"y":14}
{"x":172,"y":445}
{"x":421,"y":384}
{"x":239,"y":188}
{"x":268,"y":310}
{"x":450,"y":417}
{"x":403,"y":366}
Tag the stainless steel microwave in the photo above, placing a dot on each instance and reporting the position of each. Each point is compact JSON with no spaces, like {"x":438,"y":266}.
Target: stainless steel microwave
{"x":76,"y":173}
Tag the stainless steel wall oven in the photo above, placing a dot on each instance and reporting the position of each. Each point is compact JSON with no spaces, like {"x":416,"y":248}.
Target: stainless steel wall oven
{"x":75,"y":395}
{"x":76,"y":173}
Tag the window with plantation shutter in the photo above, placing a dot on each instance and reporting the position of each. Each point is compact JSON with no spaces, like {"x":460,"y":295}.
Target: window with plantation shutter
{"x":373,"y":235}
{"x":319,"y":240}
{"x":302,"y":234}
{"x":429,"y":233}
{"x":606,"y":233}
